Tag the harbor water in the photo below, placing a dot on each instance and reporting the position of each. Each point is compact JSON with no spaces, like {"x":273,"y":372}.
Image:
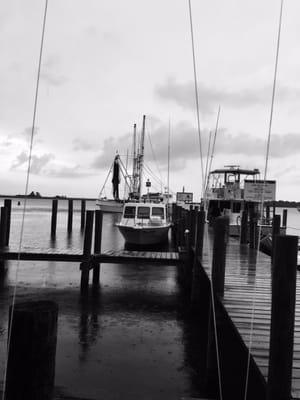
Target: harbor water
{"x":129,"y":340}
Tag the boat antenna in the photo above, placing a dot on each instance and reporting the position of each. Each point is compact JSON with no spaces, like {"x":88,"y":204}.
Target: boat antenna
{"x":212,"y":151}
{"x":263,"y":191}
{"x":196,"y":95}
{"x":141,"y":156}
{"x":207,"y":157}
{"x":169,"y":150}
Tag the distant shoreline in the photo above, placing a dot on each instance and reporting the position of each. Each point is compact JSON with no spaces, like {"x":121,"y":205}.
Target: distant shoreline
{"x":20,"y":196}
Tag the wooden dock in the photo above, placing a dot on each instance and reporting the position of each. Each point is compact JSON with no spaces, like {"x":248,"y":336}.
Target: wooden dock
{"x":247,"y":300}
{"x":109,"y":257}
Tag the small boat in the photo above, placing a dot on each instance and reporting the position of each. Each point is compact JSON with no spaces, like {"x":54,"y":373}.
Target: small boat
{"x":144,"y":223}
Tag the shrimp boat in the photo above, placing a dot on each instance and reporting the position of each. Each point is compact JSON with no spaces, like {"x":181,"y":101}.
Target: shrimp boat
{"x":114,"y":205}
{"x":231,"y":190}
{"x":143,"y":222}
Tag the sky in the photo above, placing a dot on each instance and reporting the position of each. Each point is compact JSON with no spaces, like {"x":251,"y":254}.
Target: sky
{"x":107,"y":63}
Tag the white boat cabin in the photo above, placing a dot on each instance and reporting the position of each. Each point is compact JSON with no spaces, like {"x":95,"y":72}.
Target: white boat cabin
{"x":144,"y":213}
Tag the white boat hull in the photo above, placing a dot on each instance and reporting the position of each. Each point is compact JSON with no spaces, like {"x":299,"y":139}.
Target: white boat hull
{"x":144,"y":235}
{"x":110,"y":206}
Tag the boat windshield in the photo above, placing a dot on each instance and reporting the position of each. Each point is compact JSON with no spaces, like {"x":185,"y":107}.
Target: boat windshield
{"x":143,"y":212}
{"x":129,"y":212}
{"x":158,"y":212}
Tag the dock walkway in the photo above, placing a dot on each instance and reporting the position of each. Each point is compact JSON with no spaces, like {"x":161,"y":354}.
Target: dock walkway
{"x":247,"y":299}
{"x":76,"y":255}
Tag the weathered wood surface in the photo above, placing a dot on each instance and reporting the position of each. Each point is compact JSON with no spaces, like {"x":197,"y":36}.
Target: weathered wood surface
{"x":247,"y":299}
{"x":76,"y":255}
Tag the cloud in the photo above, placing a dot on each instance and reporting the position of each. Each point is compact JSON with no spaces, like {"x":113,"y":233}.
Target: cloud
{"x":110,"y":147}
{"x":38,"y":163}
{"x":183,"y":94}
{"x":68,"y":172}
{"x":49,"y":71}
{"x":80,"y":144}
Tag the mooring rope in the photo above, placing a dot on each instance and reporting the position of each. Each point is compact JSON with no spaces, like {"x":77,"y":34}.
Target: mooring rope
{"x":196,"y":96}
{"x":263,"y":196}
{"x":26,"y":193}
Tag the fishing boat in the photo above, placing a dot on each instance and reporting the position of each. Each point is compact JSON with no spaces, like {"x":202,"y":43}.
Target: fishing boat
{"x":145,"y":220}
{"x":115,"y":204}
{"x":231,"y":190}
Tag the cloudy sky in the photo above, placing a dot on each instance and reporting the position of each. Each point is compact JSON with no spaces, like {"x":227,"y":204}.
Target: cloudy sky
{"x":106,"y":63}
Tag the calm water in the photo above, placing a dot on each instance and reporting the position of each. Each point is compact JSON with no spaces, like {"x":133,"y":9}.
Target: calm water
{"x":130,"y":340}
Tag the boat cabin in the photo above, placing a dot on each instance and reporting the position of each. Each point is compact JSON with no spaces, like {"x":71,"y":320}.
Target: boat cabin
{"x":152,"y":213}
{"x":230,"y":190}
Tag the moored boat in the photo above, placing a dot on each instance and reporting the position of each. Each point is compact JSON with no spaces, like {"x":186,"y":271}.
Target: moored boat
{"x":144,"y":223}
{"x":231,"y":190}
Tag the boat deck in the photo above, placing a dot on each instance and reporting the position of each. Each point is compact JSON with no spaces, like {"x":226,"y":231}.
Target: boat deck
{"x":247,"y":298}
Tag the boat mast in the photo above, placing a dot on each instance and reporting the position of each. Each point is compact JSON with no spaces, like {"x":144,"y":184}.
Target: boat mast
{"x":141,"y":158}
{"x":135,"y":165}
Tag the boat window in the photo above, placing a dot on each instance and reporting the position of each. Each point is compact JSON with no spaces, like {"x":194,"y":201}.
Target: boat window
{"x":143,"y":212}
{"x":158,"y":212}
{"x":129,"y":212}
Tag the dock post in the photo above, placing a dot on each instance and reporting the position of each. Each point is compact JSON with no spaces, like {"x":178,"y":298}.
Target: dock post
{"x":31,"y":354}
{"x":3,"y":226}
{"x":82,"y":219}
{"x":284,"y":218}
{"x":85,"y":265}
{"x":275,"y":231}
{"x":54,"y":217}
{"x":244,"y":227}
{"x":198,"y":296}
{"x":97,"y":245}
{"x":282,"y":317}
{"x":187,"y":261}
{"x":221,"y":228}
{"x":7,"y":204}
{"x":268,"y":213}
{"x":253,"y":232}
{"x":70,"y":215}
{"x":193,"y":225}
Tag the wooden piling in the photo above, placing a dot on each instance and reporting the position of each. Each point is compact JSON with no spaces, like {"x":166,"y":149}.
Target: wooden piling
{"x":267,"y":213}
{"x":87,"y":245}
{"x":54,"y":217}
{"x":82,"y":219}
{"x":97,"y":245}
{"x":198,"y":294}
{"x":282,"y":317}
{"x":70,"y":215}
{"x":7,"y":204}
{"x":31,"y":351}
{"x":221,"y":227}
{"x":284,"y":218}
{"x":3,"y":227}
{"x":253,"y":231}
{"x":275,"y":230}
{"x":244,"y":228}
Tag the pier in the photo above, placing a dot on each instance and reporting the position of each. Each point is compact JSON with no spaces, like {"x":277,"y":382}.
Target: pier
{"x":229,"y":288}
